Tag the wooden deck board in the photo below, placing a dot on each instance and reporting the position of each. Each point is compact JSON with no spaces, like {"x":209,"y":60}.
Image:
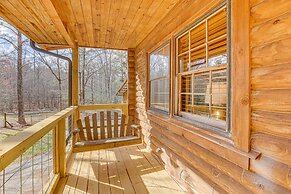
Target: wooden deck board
{"x":130,"y":169}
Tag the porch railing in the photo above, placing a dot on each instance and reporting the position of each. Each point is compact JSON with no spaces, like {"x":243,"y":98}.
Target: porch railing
{"x":35,"y":159}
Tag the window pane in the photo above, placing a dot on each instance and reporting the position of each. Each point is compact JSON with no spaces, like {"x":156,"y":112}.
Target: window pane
{"x":198,"y":58}
{"x":183,"y":44}
{"x":217,"y":25}
{"x":198,"y":36}
{"x":183,"y":61}
{"x":203,"y":69}
{"x":219,"y":94}
{"x":159,"y":63}
{"x":201,"y":94}
{"x":186,"y":103}
{"x":217,"y":52}
{"x":186,"y":84}
{"x":159,"y":78}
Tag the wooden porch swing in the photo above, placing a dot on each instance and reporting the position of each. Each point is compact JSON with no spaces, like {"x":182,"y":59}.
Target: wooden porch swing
{"x":94,"y":136}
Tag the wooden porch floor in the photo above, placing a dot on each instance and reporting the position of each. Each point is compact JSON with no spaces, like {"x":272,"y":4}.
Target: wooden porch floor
{"x":130,"y":169}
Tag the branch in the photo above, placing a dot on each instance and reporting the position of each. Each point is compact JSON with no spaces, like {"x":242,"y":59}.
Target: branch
{"x":45,"y":62}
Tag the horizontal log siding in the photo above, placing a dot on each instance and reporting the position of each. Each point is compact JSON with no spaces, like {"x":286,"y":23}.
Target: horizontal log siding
{"x":199,"y":169}
{"x":271,"y":81}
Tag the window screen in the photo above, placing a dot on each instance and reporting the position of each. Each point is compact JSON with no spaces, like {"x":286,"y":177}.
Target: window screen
{"x":202,"y":64}
{"x":159,"y":78}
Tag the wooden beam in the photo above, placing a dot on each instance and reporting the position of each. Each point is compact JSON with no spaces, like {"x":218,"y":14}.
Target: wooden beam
{"x":49,"y":47}
{"x":240,"y":74}
{"x":75,"y":76}
{"x":48,"y":5}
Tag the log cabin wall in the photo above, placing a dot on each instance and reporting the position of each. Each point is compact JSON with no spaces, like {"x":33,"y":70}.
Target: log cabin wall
{"x":200,"y":169}
{"x":131,"y":86}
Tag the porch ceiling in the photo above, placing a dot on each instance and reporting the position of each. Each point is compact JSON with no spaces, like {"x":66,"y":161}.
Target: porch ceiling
{"x":118,"y":24}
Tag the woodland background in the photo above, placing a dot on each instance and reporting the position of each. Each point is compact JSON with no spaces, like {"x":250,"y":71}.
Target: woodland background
{"x":31,"y":81}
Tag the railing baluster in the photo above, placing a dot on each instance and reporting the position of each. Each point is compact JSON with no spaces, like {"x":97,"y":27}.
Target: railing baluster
{"x":48,"y":156}
{"x":20,"y":173}
{"x":4,"y":172}
{"x":32,"y":165}
{"x":41,"y":167}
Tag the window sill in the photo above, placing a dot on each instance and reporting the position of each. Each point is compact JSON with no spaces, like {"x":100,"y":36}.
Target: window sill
{"x":206,"y":124}
{"x":211,"y":141}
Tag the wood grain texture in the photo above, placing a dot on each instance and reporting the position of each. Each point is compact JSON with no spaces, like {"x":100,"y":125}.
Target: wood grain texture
{"x":88,"y":129}
{"x":95,"y":126}
{"x":249,"y":180}
{"x":270,"y":92}
{"x":240,"y":74}
{"x":80,"y":127}
{"x":279,"y":74}
{"x":102,"y":127}
{"x":109,"y":127}
{"x":275,"y":171}
{"x":268,"y":9}
{"x":102,"y":24}
{"x":272,"y":123}
{"x":275,"y":147}
{"x":127,"y":170}
{"x":267,"y":39}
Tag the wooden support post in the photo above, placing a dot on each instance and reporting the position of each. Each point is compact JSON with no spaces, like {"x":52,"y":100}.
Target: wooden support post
{"x":56,"y":152}
{"x":5,"y":120}
{"x":61,"y":145}
{"x":75,"y":87}
{"x":75,"y":78}
{"x":131,"y":94}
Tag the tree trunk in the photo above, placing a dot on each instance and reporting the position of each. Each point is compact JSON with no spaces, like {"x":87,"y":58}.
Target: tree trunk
{"x":92,"y":90}
{"x":20,"y":106}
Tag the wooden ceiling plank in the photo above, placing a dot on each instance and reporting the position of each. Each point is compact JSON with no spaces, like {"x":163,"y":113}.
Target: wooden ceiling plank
{"x":120,"y":21}
{"x":111,"y":28}
{"x":39,"y":11}
{"x":78,"y":14}
{"x":128,"y":19}
{"x":96,"y":20}
{"x":156,"y":17}
{"x":65,"y":11}
{"x":49,"y":7}
{"x":87,"y":11}
{"x":105,"y":12}
{"x":31,"y":25}
{"x":10,"y":18}
{"x":146,"y":20}
{"x":142,"y":9}
{"x":26,"y":9}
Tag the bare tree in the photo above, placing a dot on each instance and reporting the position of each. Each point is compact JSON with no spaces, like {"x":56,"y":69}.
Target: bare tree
{"x":10,"y":38}
{"x":21,"y":118}
{"x":56,"y":72}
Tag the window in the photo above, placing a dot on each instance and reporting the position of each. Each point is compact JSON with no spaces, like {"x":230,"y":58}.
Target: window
{"x":202,"y":65}
{"x":159,"y":81}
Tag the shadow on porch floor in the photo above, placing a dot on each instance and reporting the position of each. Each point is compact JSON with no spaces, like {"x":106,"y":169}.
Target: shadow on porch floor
{"x":130,"y":169}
